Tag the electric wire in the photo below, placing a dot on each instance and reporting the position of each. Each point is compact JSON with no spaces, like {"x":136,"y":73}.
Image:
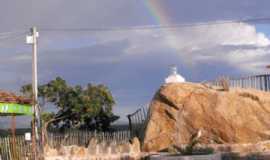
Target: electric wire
{"x":11,"y":38}
{"x":152,"y":27}
{"x":11,"y":32}
{"x":14,"y":34}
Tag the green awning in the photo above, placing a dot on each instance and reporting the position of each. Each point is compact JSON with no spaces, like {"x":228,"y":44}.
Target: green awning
{"x":7,"y":109}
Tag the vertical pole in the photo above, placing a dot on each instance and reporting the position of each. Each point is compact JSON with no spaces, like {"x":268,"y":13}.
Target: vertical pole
{"x":13,"y":130}
{"x":35,"y":93}
{"x":129,"y":122}
{"x":13,"y":126}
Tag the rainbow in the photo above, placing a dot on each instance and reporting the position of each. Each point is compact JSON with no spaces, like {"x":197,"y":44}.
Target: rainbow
{"x":161,"y":17}
{"x":157,"y":11}
{"x":161,"y":14}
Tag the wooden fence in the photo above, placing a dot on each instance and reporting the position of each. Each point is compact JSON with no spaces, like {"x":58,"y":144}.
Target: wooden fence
{"x":15,"y":149}
{"x":22,"y":149}
{"x":259,"y":82}
{"x":137,"y":122}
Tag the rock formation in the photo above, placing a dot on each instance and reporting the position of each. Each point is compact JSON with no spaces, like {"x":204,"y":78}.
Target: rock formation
{"x":179,"y":110}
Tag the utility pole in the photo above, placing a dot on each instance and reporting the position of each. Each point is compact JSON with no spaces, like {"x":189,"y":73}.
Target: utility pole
{"x":32,"y":39}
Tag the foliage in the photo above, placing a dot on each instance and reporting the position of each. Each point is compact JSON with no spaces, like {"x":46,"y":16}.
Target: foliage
{"x":78,"y":107}
{"x":225,"y":83}
{"x":47,"y":116}
{"x":191,"y":148}
{"x":253,"y":156}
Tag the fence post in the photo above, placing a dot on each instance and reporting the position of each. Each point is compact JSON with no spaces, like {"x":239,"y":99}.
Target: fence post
{"x":129,"y":122}
{"x":268,"y":82}
{"x":265,"y":82}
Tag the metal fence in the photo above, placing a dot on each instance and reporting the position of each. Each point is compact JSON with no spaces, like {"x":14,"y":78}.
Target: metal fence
{"x":22,"y":150}
{"x":82,"y":138}
{"x":137,"y":122}
{"x":259,"y":82}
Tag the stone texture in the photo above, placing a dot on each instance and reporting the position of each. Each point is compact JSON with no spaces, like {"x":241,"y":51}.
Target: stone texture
{"x":95,"y":151}
{"x":50,"y":151}
{"x":180,"y":157}
{"x":179,"y":110}
{"x":135,"y":145}
{"x":260,"y":147}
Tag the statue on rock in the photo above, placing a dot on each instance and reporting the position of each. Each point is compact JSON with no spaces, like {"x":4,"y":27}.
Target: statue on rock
{"x":174,"y":77}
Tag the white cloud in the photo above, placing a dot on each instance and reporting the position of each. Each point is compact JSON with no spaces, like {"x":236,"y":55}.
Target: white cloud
{"x":237,"y":44}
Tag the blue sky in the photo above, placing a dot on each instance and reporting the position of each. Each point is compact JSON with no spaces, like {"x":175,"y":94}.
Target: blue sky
{"x":133,"y":64}
{"x":264,"y":28}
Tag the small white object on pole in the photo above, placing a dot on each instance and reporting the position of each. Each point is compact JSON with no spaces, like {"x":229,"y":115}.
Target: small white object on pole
{"x":174,"y":77}
{"x":30,"y":39}
{"x":27,"y":136}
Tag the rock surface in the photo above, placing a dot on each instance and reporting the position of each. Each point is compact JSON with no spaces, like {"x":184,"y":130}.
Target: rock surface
{"x":95,"y":151}
{"x":178,"y":110}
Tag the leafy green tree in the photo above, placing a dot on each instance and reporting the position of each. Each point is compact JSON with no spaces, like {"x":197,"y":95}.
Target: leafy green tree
{"x":47,"y":117}
{"x":78,"y":107}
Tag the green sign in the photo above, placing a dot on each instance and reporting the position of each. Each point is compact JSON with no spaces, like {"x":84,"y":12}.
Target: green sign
{"x":17,"y":109}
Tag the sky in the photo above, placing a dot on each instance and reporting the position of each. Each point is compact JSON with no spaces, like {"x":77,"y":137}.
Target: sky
{"x":132,"y":63}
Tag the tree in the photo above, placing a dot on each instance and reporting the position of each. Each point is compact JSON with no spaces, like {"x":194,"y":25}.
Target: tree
{"x":89,"y":107}
{"x":47,"y":117}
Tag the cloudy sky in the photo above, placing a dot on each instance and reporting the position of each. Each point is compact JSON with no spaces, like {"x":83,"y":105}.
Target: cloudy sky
{"x":132,"y":63}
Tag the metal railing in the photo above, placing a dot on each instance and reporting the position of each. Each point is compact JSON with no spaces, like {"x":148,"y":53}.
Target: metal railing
{"x":138,"y":121}
{"x":259,"y":82}
{"x":82,"y":138}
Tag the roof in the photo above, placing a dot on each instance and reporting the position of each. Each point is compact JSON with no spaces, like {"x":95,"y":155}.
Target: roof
{"x":8,"y":109}
{"x":8,"y":97}
{"x":11,"y":104}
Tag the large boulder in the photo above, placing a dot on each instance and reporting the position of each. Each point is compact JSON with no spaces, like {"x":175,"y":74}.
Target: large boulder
{"x":179,"y":110}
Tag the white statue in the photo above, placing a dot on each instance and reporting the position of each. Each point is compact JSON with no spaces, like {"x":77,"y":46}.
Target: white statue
{"x":174,"y":77}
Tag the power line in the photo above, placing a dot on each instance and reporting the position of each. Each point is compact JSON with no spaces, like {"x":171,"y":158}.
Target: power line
{"x":11,"y":36}
{"x":6,"y":35}
{"x":10,"y":33}
{"x":154,"y":27}
{"x":15,"y":34}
